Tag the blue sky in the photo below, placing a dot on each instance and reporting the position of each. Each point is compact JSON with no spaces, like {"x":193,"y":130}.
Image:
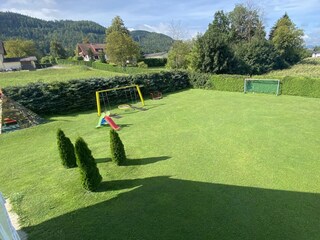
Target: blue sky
{"x":157,"y":15}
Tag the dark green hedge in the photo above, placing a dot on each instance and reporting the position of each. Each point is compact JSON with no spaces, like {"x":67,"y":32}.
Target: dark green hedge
{"x":79,"y":95}
{"x":155,"y":62}
{"x":301,"y":86}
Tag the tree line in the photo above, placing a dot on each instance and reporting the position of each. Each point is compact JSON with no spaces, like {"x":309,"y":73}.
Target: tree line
{"x":236,"y":43}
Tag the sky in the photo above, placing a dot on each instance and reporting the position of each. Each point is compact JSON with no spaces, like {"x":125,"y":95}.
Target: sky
{"x":190,"y":16}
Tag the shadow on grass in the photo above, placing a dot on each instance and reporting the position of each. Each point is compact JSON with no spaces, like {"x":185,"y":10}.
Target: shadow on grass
{"x":167,"y":208}
{"x":145,"y":161}
{"x":102,"y":160}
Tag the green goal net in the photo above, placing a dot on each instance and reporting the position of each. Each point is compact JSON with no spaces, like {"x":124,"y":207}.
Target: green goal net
{"x":271,"y":86}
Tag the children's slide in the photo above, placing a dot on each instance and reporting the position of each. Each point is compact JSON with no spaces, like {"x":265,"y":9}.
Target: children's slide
{"x":112,"y":123}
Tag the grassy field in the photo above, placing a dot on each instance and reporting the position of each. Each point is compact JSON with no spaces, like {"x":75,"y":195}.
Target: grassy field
{"x":309,"y":67}
{"x":202,"y":165}
{"x":59,"y":73}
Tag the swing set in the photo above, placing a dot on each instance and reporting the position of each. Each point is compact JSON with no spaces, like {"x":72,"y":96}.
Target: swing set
{"x":132,"y":89}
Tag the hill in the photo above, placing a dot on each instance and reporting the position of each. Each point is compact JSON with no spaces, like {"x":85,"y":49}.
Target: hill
{"x":152,"y":42}
{"x":69,"y":33}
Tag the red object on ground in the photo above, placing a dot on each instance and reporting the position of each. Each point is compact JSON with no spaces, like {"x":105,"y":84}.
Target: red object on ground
{"x":112,"y":123}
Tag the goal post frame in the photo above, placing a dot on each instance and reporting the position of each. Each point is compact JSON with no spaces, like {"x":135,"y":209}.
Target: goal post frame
{"x":113,"y":89}
{"x":245,"y":90}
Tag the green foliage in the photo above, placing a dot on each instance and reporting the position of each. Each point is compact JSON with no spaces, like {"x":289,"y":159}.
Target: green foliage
{"x":213,"y":49}
{"x":117,"y":25}
{"x":200,"y":80}
{"x":255,"y":57}
{"x":155,"y":62}
{"x":90,"y":176}
{"x":152,"y":42}
{"x":301,"y":86}
{"x":20,"y":48}
{"x":287,"y":40}
{"x":57,"y":50}
{"x":66,"y":150}
{"x":79,"y":95}
{"x":178,"y":55}
{"x":121,"y":48}
{"x":142,"y":65}
{"x":230,"y":83}
{"x":118,"y":154}
{"x":245,"y":23}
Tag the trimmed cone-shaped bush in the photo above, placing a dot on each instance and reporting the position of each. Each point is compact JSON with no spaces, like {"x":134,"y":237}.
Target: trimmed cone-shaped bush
{"x":66,"y":150}
{"x":118,"y":155}
{"x":90,"y":176}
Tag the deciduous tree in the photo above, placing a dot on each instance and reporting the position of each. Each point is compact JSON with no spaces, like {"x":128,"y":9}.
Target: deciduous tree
{"x":20,"y":48}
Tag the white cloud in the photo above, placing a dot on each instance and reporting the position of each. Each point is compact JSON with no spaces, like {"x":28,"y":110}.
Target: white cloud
{"x":44,"y":13}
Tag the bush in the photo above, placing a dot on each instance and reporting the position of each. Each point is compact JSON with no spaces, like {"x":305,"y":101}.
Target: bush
{"x":155,"y":62}
{"x":142,"y":65}
{"x":66,"y":150}
{"x":90,"y":176}
{"x":118,"y":154}
{"x":301,"y":86}
{"x":200,"y":80}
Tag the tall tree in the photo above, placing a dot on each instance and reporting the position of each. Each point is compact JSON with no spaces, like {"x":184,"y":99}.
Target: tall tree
{"x":178,"y":55}
{"x":288,"y":41}
{"x":213,"y":48}
{"x":57,"y":50}
{"x":245,"y":22}
{"x":20,"y":48}
{"x":120,"y":47}
{"x":117,"y":25}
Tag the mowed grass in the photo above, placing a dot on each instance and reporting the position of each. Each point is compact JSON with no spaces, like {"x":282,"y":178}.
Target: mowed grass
{"x":202,"y":165}
{"x":58,"y":73}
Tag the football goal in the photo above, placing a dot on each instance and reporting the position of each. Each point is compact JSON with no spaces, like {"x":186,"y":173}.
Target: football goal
{"x":271,"y":86}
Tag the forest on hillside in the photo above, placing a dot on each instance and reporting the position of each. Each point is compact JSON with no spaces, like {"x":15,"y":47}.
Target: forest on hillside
{"x":68,"y":33}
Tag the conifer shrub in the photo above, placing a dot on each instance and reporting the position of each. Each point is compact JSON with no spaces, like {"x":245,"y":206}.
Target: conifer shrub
{"x":89,"y":172}
{"x":118,"y":154}
{"x":66,"y":150}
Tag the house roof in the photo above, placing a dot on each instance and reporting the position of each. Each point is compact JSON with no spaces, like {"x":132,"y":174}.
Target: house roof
{"x":2,"y":50}
{"x":11,"y":59}
{"x":156,"y":55}
{"x":28,"y":59}
{"x":95,"y":47}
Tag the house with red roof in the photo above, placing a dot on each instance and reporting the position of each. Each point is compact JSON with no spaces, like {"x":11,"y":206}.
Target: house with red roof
{"x":91,"y":51}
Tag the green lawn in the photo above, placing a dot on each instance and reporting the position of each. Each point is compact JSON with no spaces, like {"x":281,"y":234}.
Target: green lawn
{"x":59,"y":73}
{"x":202,"y":165}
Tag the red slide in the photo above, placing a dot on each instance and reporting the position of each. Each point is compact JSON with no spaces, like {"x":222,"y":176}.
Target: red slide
{"x":112,"y":123}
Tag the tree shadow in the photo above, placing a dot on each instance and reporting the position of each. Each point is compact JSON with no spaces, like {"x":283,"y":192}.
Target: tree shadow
{"x":167,"y":208}
{"x":145,"y":161}
{"x":102,"y":160}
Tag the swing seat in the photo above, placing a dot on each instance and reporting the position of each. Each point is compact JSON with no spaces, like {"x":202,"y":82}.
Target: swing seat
{"x":124,"y":106}
{"x":156,"y":95}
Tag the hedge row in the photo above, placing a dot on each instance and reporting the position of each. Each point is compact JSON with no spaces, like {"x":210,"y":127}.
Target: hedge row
{"x":301,"y":86}
{"x":155,"y":62}
{"x":111,"y":68}
{"x":297,"y":86}
{"x":79,"y":95}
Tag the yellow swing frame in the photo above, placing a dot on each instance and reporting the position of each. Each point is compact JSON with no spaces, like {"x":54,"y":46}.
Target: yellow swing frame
{"x":113,"y":89}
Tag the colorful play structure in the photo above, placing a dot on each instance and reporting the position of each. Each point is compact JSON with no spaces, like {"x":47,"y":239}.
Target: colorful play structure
{"x":105,"y":119}
{"x":103,"y":95}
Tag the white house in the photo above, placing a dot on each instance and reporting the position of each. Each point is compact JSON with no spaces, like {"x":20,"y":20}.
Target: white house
{"x":316,"y":54}
{"x":27,"y":63}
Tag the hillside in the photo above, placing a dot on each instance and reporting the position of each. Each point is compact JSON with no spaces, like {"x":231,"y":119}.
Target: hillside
{"x":69,"y":33}
{"x":152,"y":42}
